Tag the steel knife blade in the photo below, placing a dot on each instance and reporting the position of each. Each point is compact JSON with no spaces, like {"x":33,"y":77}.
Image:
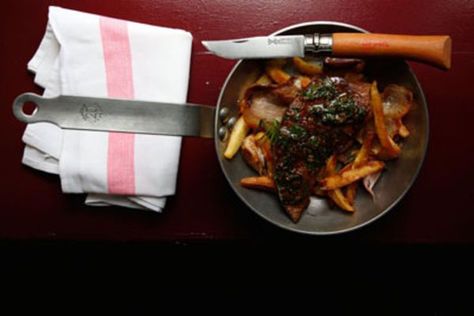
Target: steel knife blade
{"x":258,"y":47}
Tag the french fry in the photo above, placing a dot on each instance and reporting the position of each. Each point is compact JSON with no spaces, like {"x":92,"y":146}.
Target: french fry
{"x":351,"y":193}
{"x":308,"y":66}
{"x":264,"y":80}
{"x":403,"y":130}
{"x":318,"y":192}
{"x":363,"y":153}
{"x":237,"y":136}
{"x":349,"y":176}
{"x":260,"y":137}
{"x":304,"y":81}
{"x":389,"y":148}
{"x":260,"y":183}
{"x":396,"y":127}
{"x":331,"y":165}
{"x":361,"y":157}
{"x":277,"y":74}
{"x":336,"y":195}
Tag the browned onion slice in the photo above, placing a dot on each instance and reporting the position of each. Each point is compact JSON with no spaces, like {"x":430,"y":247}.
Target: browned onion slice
{"x":261,"y":103}
{"x":397,"y":101}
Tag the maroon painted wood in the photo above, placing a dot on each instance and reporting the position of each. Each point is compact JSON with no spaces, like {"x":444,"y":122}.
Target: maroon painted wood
{"x":438,"y":209}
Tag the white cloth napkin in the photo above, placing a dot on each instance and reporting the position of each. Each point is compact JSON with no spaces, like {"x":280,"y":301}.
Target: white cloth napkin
{"x":90,"y":55}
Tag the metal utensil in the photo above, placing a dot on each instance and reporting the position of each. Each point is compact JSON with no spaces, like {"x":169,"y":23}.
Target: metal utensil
{"x":431,"y":49}
{"x":99,"y":114}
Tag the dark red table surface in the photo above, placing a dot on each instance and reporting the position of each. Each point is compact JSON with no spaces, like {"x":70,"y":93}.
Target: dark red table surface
{"x":437,"y":210}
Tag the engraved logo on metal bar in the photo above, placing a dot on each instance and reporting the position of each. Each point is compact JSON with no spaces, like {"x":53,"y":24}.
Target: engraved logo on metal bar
{"x":279,"y":41}
{"x":91,"y":113}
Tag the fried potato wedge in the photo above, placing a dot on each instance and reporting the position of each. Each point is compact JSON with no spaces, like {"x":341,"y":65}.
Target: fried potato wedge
{"x":364,"y":151}
{"x":361,"y":157}
{"x":396,"y":127}
{"x":303,"y":81}
{"x":403,"y":130}
{"x":336,"y":195}
{"x":308,"y":66}
{"x":259,"y":183}
{"x":264,"y":80}
{"x":349,"y":176}
{"x":351,"y":193}
{"x":277,"y":74}
{"x":236,"y":138}
{"x":389,"y":148}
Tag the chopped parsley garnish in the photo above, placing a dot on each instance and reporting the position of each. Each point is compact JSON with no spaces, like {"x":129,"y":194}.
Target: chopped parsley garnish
{"x":297,"y":131}
{"x":323,"y":89}
{"x":342,"y":110}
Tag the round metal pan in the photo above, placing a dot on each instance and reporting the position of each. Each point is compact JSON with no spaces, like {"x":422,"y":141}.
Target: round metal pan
{"x":319,"y":218}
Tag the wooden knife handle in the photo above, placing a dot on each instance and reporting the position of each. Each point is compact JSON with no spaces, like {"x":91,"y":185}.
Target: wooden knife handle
{"x":431,"y":49}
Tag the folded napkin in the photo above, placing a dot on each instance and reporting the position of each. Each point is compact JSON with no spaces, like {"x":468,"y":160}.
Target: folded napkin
{"x":90,"y":55}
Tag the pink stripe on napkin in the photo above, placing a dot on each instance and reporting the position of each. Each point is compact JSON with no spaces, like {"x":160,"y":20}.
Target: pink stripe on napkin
{"x":118,"y":69}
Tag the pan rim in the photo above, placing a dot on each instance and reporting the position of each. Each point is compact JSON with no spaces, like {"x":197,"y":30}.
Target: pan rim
{"x":353,"y":228}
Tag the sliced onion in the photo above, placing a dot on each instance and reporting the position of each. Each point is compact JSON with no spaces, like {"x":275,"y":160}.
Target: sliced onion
{"x":261,"y":103}
{"x":397,"y":101}
{"x":267,"y":107}
{"x":370,"y":181}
